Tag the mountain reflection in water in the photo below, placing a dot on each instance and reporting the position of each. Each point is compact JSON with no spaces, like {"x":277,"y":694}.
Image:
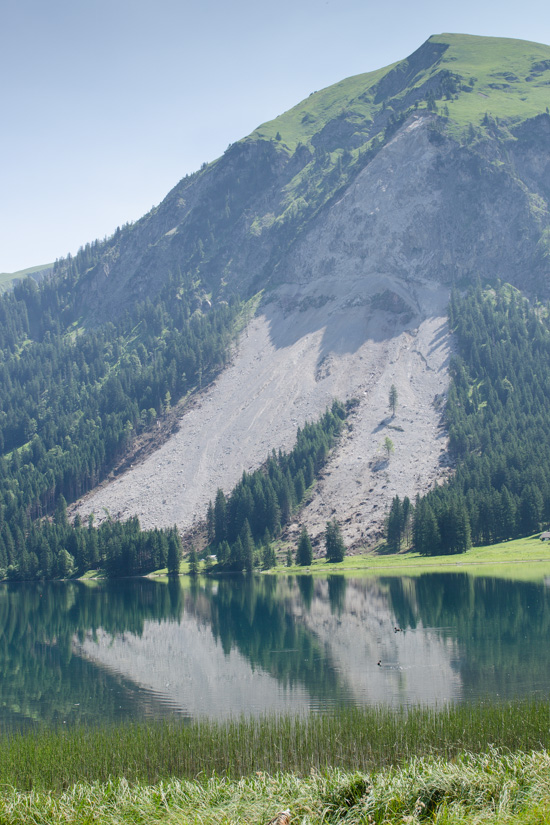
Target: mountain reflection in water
{"x":74,"y":652}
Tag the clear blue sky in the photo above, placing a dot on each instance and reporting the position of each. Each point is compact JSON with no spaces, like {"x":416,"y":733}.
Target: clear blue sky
{"x":106,"y":104}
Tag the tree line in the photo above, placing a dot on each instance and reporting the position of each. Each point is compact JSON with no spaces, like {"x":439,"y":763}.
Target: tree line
{"x":57,"y":549}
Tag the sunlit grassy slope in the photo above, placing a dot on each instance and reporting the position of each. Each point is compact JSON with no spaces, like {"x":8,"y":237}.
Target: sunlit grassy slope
{"x":300,"y":123}
{"x":6,"y":278}
{"x":505,"y":78}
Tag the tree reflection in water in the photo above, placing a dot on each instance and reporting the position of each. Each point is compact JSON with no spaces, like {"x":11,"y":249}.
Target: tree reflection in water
{"x":497,"y":629}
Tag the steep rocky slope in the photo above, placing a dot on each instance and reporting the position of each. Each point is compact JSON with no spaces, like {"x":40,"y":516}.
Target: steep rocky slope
{"x":348,"y":333}
{"x":483,"y":207}
{"x":354,"y":212}
{"x":269,"y":390}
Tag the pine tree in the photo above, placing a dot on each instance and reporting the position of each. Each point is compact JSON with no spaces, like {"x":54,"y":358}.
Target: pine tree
{"x":530,"y":509}
{"x":395,"y":525}
{"x":407,"y":512}
{"x":224,"y":553}
{"x":174,"y":552}
{"x":236,"y":557}
{"x":507,"y":514}
{"x":193,"y":563}
{"x":60,"y":516}
{"x":269,"y":558}
{"x":334,"y":544}
{"x":304,"y":553}
{"x":426,"y":536}
{"x":210,"y":523}
{"x":220,"y":517}
{"x":393,"y":399}
{"x":247,"y":543}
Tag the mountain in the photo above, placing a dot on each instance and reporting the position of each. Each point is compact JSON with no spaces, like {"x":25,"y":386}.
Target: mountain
{"x":464,"y":119}
{"x":342,"y":225}
{"x":354,"y":212}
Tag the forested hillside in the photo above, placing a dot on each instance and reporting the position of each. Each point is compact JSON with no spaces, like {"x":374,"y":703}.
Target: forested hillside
{"x":73,"y":399}
{"x":242,"y":526}
{"x":499,"y":426}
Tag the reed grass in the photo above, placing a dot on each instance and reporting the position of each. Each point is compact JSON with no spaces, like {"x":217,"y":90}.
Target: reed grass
{"x":362,"y":739}
{"x":494,"y":787}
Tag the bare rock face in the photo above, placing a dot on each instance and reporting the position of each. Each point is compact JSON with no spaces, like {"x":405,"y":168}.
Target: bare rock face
{"x":353,"y":316}
{"x":425,"y":207}
{"x":355,"y":230}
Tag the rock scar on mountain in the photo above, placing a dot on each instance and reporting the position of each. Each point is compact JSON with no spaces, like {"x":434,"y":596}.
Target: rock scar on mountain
{"x":351,"y":314}
{"x":274,"y":385}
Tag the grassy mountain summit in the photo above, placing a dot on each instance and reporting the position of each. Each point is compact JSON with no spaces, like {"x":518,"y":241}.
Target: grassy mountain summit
{"x":482,"y":104}
{"x":477,"y":75}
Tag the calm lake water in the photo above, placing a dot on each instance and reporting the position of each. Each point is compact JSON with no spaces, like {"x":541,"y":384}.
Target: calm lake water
{"x":75,"y":652}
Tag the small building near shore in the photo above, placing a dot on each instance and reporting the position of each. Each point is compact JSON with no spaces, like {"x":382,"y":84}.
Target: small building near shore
{"x":545,"y":536}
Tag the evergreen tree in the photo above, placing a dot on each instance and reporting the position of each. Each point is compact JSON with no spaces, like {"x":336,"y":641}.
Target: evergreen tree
{"x":304,"y":553}
{"x":407,"y":513}
{"x":269,"y":558}
{"x":60,"y":516}
{"x":174,"y":552}
{"x":395,"y":525}
{"x":193,"y":562}
{"x":236,"y":559}
{"x":393,"y":399}
{"x":507,"y":515}
{"x":273,"y":511}
{"x":247,"y":543}
{"x":530,"y":509}
{"x":220,"y":528}
{"x":64,"y":565}
{"x":224,"y":553}
{"x":210,"y":524}
{"x":426,"y":537}
{"x":335,"y":548}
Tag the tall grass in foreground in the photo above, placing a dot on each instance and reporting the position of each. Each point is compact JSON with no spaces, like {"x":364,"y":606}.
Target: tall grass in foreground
{"x":354,"y":739}
{"x":490,"y":788}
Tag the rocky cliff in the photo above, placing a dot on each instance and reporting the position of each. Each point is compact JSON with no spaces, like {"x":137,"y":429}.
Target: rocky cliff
{"x":354,"y":212}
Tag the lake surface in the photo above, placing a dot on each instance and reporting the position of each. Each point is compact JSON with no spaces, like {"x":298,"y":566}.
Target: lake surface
{"x":76,"y":652}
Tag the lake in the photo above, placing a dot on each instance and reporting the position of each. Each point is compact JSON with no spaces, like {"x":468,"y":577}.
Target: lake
{"x":77,"y":652}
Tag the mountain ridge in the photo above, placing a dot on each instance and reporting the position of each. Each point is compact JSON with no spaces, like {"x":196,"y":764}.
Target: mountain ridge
{"x":232,"y":222}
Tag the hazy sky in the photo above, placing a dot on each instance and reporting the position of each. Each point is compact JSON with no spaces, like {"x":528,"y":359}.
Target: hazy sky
{"x":107,"y":103}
